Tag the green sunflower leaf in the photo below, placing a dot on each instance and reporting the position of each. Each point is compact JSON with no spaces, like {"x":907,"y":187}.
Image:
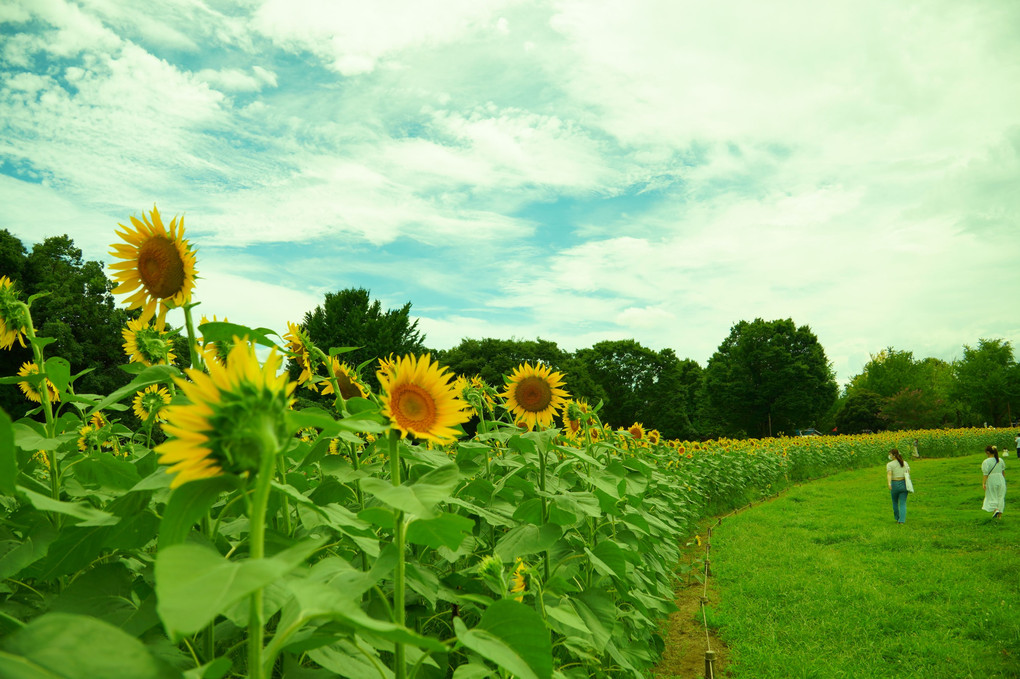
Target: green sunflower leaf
{"x":513,"y":636}
{"x":157,"y":374}
{"x":69,"y":646}
{"x":526,"y":539}
{"x":8,"y":458}
{"x":215,"y":331}
{"x":194,"y":584}
{"x":188,"y":504}
{"x":58,"y":370}
{"x":447,"y":530}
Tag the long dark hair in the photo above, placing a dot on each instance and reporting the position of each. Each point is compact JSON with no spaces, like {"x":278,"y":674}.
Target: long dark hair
{"x":994,"y":451}
{"x":895,"y":453}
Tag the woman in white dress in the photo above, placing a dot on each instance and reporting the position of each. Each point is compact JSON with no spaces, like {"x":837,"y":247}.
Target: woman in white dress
{"x":993,"y":482}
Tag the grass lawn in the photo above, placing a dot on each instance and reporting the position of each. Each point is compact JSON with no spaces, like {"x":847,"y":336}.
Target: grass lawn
{"x":821,"y":582}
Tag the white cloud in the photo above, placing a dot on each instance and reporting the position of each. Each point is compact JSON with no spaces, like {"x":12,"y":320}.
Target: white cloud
{"x":249,"y":301}
{"x":351,"y":38}
{"x":236,"y":80}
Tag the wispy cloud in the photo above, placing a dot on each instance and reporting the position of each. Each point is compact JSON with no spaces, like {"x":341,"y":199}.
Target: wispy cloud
{"x":575,"y":170}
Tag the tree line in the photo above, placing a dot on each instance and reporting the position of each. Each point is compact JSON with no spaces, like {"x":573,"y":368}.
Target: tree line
{"x":767,"y":378}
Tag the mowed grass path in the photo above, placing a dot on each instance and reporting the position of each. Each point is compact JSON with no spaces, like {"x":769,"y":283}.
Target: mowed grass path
{"x":822,"y":583}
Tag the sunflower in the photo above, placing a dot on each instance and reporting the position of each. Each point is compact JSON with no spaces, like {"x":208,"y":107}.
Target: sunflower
{"x":12,"y":315}
{"x":147,"y":344}
{"x":533,"y":394}
{"x":150,"y":402}
{"x":30,"y":368}
{"x":297,"y":346}
{"x":235,"y":415}
{"x":220,"y":355}
{"x":159,"y":266}
{"x":346,"y":379}
{"x":654,"y":437}
{"x":636,"y":431}
{"x":419,"y":399}
{"x":519,"y":578}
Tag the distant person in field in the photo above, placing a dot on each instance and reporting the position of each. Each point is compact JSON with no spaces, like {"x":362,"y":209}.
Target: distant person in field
{"x":915,"y":453}
{"x":1018,"y":444}
{"x":993,"y":482}
{"x":896,"y":477}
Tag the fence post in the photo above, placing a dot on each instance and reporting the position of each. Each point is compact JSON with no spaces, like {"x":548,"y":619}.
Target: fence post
{"x":709,"y":664}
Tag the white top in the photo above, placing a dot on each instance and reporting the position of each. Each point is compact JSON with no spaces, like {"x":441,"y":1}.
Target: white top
{"x":898,"y":472}
{"x":989,"y":463}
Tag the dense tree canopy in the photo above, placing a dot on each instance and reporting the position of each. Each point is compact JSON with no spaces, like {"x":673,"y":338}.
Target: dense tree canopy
{"x":639,"y":384}
{"x":988,"y":381}
{"x":492,"y":358}
{"x":350,"y":318}
{"x":860,"y":412}
{"x":79,"y":312}
{"x":768,"y":377}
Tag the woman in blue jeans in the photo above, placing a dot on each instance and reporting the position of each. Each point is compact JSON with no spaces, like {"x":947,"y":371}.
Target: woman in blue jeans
{"x":896,"y":477}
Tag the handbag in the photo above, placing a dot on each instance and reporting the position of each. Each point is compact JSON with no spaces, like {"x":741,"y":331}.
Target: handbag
{"x":909,"y":484}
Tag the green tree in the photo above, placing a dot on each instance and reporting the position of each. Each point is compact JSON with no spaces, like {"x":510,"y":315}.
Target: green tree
{"x":887,"y":373}
{"x":912,"y":409}
{"x":79,"y":313}
{"x":987,"y":380}
{"x":493,"y":358}
{"x":768,"y":377}
{"x":642,"y":385}
{"x":350,"y":318}
{"x":860,"y":412}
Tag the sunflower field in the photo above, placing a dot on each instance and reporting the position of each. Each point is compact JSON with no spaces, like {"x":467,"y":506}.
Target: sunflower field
{"x":194,"y":524}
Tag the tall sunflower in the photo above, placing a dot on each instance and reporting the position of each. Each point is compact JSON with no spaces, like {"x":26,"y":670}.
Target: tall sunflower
{"x":150,"y":401}
{"x":533,"y":394}
{"x":147,"y":344}
{"x":158,"y":268}
{"x":236,"y":412}
{"x":30,"y":368}
{"x":12,"y":320}
{"x":346,"y":379}
{"x":419,"y":398}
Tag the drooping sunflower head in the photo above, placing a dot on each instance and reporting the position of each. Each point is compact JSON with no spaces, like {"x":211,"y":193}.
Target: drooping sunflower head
{"x":12,"y":315}
{"x":236,"y":413}
{"x":653,"y":436}
{"x":147,"y":344}
{"x":533,"y":394}
{"x":159,"y":265}
{"x":574,"y":415}
{"x":29,"y":390}
{"x":347,"y":379}
{"x":297,"y":347}
{"x":419,"y":398}
{"x":150,"y":402}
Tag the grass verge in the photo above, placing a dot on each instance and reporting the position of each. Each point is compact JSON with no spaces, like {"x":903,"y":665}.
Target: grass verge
{"x":821,"y":583}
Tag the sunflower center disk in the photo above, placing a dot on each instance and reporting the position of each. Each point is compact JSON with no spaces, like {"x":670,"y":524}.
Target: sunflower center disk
{"x":414,"y":408}
{"x":160,"y":267}
{"x":534,"y":394}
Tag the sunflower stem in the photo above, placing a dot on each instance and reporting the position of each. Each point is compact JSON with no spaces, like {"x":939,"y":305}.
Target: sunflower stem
{"x":196,"y":360}
{"x":44,"y":399}
{"x":257,"y":550}
{"x":398,"y":538}
{"x":545,"y":506}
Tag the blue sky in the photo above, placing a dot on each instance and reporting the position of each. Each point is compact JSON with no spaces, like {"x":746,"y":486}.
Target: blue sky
{"x":571,"y":170}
